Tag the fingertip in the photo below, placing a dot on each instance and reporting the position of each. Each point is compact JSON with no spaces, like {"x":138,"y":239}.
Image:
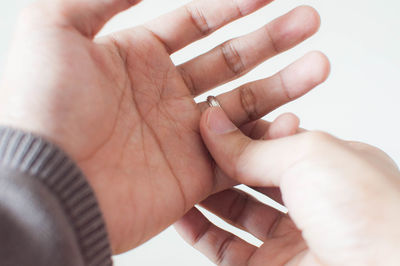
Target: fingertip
{"x":216,"y":122}
{"x":204,"y":118}
{"x":290,"y":119}
{"x":204,"y":129}
{"x":322,"y":66}
{"x":305,"y":19}
{"x":314,"y":67}
{"x":284,"y":125}
{"x":305,"y":74}
{"x":311,"y":17}
{"x":294,"y":27}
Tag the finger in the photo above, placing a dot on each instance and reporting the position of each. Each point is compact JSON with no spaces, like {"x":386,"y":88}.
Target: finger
{"x":89,"y":16}
{"x":221,"y":247}
{"x":224,"y":248}
{"x":255,"y":163}
{"x":198,"y":19}
{"x":256,"y":129}
{"x":245,"y":212}
{"x":286,"y":249}
{"x":285,"y":124}
{"x":236,"y":57}
{"x":256,"y":99}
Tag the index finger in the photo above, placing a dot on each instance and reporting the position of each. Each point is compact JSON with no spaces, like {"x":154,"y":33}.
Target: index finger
{"x":254,"y":162}
{"x":198,"y":19}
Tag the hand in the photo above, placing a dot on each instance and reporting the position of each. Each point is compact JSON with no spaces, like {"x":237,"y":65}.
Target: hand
{"x":126,"y":114}
{"x":342,"y":198}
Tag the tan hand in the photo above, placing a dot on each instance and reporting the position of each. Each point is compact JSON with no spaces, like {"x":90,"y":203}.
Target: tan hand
{"x":126,"y":113}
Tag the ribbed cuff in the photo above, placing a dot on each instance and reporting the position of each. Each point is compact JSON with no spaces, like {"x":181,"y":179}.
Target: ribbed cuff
{"x":41,"y":159}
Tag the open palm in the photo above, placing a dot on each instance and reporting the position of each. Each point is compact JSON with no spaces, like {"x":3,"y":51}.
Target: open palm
{"x":126,"y":113}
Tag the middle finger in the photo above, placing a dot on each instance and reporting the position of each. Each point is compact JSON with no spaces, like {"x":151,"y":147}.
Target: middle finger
{"x":236,"y":57}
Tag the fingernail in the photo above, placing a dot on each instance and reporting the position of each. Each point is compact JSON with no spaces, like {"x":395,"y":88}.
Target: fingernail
{"x":218,"y":122}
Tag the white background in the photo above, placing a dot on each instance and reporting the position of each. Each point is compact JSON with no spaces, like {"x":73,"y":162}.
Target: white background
{"x":359,"y":101}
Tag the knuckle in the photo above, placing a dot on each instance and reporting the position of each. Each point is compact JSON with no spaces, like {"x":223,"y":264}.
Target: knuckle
{"x":362,"y":146}
{"x":29,"y":13}
{"x":241,"y":161}
{"x":248,"y":101}
{"x":223,"y":249}
{"x":272,"y":39}
{"x":198,"y":19}
{"x":274,"y":226}
{"x":232,"y":58}
{"x":286,"y":92}
{"x":238,"y":206}
{"x":188,"y":80}
{"x":315,"y":141}
{"x":373,"y":150}
{"x":202,"y":233}
{"x":36,"y":14}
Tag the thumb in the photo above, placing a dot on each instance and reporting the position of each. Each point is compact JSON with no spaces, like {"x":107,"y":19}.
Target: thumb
{"x":253,"y":162}
{"x":88,"y":16}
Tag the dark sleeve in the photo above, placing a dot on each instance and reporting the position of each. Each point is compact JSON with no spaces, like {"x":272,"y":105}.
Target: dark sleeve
{"x":49,"y":214}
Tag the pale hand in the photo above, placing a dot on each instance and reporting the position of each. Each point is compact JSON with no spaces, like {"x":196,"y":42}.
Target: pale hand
{"x":343,"y":199}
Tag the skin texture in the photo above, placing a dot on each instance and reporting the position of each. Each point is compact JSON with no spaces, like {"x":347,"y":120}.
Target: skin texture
{"x":126,"y":114}
{"x":342,"y":198}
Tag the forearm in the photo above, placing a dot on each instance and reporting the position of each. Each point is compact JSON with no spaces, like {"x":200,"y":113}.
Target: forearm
{"x":48,"y":213}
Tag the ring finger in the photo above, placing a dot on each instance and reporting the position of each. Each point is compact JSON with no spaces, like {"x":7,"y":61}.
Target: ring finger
{"x":256,"y":99}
